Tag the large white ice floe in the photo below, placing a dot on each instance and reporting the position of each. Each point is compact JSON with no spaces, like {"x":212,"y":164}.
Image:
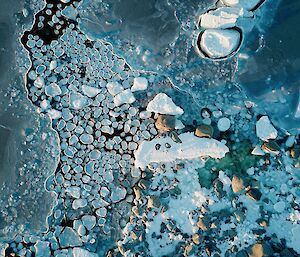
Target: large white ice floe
{"x":219,"y":43}
{"x":247,"y":4}
{"x":221,"y":18}
{"x":264,"y":129}
{"x":166,"y":150}
{"x":163,"y":104}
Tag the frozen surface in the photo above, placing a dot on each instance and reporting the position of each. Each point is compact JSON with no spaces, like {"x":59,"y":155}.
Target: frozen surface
{"x":191,"y":147}
{"x":163,"y":104}
{"x":161,"y":128}
{"x":218,"y":43}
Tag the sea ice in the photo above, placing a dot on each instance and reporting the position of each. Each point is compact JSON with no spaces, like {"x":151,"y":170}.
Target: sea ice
{"x":139,"y":84}
{"x":69,"y":238}
{"x":80,"y":252}
{"x":192,"y":147}
{"x":224,"y":124}
{"x":219,"y":43}
{"x":163,"y":104}
{"x":264,"y":129}
{"x":124,"y":97}
{"x":221,"y":18}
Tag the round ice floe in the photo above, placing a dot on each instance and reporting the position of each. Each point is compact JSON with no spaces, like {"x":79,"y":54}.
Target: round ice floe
{"x":86,"y":139}
{"x":89,"y":221}
{"x":219,"y":43}
{"x":223,"y":124}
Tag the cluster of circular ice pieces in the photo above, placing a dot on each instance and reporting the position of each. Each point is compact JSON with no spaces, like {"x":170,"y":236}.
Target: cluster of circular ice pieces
{"x":222,"y":29}
{"x":89,"y":93}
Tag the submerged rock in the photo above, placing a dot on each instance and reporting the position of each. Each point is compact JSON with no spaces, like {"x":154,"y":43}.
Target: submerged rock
{"x":204,"y":131}
{"x":165,"y":123}
{"x":237,"y":184}
{"x":254,"y":194}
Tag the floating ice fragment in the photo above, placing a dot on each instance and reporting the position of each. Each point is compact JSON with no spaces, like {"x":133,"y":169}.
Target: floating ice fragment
{"x":79,"y":203}
{"x":221,"y":18}
{"x":89,"y":168}
{"x":44,"y":104}
{"x":114,"y":88}
{"x":224,"y":124}
{"x":219,"y":43}
{"x":101,"y":212}
{"x":192,"y":147}
{"x":118,"y":193}
{"x":52,"y":90}
{"x":90,"y":91}
{"x":89,"y":221}
{"x":264,"y":129}
{"x":69,"y":238}
{"x":279,"y":207}
{"x":42,"y":249}
{"x":179,"y":124}
{"x":258,"y":151}
{"x":163,"y":104}
{"x":39,"y":82}
{"x":290,"y":141}
{"x":53,"y":64}
{"x":145,"y":115}
{"x":78,"y":101}
{"x":124,"y":97}
{"x":86,"y":139}
{"x":70,"y":12}
{"x":54,"y":114}
{"x":139,"y":84}
{"x":74,"y":191}
{"x":79,"y":252}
